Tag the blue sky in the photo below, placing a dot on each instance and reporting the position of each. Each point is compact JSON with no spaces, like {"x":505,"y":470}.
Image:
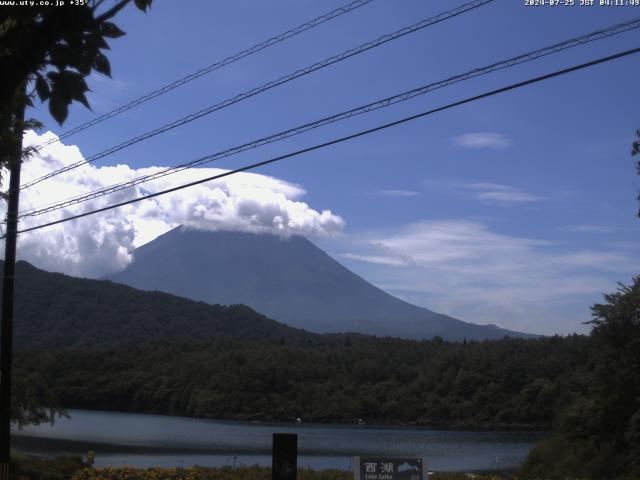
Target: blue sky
{"x":517,"y":210}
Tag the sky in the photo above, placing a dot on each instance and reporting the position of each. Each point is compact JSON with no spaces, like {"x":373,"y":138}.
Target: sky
{"x":517,"y":210}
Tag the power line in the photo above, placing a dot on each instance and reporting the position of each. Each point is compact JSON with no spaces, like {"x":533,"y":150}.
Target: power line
{"x":214,"y":66}
{"x":253,"y":166}
{"x":269,"y":85}
{"x":404,"y":96}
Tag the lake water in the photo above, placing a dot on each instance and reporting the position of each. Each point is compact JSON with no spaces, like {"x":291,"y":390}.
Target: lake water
{"x":152,"y":440}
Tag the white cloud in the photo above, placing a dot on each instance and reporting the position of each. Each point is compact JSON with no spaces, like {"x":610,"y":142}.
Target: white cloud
{"x":493,"y":193}
{"x":507,"y":197}
{"x":482,"y":140}
{"x":467,"y":270}
{"x":588,"y":228}
{"x":102,"y":243}
{"x":381,"y":259}
{"x":398,"y":193}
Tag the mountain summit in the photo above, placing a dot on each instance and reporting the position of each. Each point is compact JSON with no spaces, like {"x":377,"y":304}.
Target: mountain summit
{"x":288,"y":279}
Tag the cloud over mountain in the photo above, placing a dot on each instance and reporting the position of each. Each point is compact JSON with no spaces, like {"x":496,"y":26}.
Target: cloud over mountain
{"x":101,"y":244}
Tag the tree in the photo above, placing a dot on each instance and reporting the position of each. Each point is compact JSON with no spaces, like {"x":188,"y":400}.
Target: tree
{"x":33,"y":401}
{"x":616,"y":336}
{"x":635,"y":149}
{"x":52,"y":50}
{"x":47,"y":51}
{"x":598,"y":434}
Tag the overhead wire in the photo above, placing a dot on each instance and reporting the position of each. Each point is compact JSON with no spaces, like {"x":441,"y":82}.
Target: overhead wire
{"x":466,"y":7}
{"x":383,"y":103}
{"x":345,"y":138}
{"x":214,"y":66}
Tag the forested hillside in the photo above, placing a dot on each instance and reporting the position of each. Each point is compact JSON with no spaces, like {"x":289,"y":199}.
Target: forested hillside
{"x":511,"y":383}
{"x":55,"y":311}
{"x":98,"y":345}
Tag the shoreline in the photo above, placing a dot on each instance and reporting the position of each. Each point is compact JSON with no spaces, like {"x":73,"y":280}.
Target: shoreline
{"x":146,"y":441}
{"x":507,"y":428}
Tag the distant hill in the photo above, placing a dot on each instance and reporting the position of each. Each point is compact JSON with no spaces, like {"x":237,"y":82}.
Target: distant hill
{"x":54,"y":311}
{"x":290,"y":280}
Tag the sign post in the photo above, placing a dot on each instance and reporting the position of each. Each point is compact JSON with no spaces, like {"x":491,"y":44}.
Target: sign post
{"x":389,"y":468}
{"x":284,"y":460}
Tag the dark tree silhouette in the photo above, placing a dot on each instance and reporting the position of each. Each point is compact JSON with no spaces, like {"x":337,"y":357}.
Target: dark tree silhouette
{"x":48,"y":51}
{"x":635,"y":149}
{"x":52,"y":50}
{"x":598,"y":433}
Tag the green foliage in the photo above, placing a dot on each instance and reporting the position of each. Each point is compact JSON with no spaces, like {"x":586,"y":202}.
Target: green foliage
{"x":226,"y":473}
{"x":598,"y":434}
{"x":201,"y":473}
{"x":50,"y":51}
{"x":28,"y":468}
{"x":511,"y":383}
{"x":54,"y":310}
{"x":56,"y":48}
{"x":32,"y":401}
{"x":25,"y":467}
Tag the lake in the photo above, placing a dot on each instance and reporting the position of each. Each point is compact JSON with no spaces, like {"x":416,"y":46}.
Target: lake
{"x":153,"y":440}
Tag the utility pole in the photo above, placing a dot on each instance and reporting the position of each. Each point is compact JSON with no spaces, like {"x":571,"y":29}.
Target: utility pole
{"x":6,"y":329}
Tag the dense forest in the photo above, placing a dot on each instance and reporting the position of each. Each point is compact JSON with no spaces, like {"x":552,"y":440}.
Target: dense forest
{"x":233,"y":363}
{"x":586,"y":389}
{"x":597,"y":434}
{"x":56,"y":311}
{"x":512,"y":383}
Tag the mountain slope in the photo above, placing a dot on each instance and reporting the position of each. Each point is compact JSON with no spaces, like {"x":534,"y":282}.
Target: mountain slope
{"x":54,"y":311}
{"x":290,"y":280}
